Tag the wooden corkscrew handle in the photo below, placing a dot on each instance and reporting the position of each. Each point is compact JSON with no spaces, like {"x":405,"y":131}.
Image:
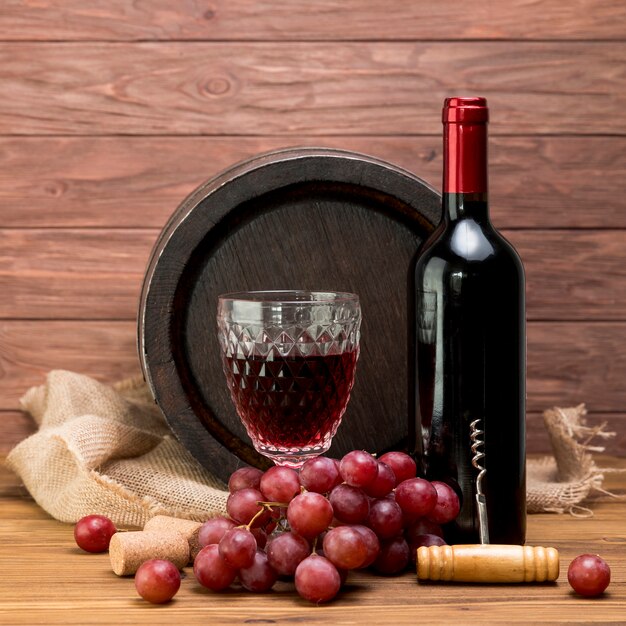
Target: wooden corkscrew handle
{"x":491,"y":563}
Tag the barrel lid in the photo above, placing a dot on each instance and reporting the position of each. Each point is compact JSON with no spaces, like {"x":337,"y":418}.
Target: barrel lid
{"x":302,"y":218}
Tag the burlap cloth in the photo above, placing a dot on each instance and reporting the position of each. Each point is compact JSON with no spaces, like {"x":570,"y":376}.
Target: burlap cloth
{"x":108,"y":450}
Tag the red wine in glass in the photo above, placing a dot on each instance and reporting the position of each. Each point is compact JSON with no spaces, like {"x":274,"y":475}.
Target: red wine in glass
{"x":292,"y":401}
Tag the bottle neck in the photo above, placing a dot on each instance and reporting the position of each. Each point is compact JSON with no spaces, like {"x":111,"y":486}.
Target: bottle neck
{"x":465,"y":171}
{"x":459,"y":206}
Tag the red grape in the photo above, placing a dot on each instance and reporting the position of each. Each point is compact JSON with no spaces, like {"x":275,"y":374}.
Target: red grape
{"x":261,"y":537}
{"x":358,"y":468}
{"x":350,"y":504}
{"x":93,"y":533}
{"x":242,"y":506}
{"x":211,"y":570}
{"x":428,"y":540}
{"x":280,"y":484}
{"x":345,"y":547}
{"x":393,"y":557}
{"x":448,"y":505}
{"x":286,"y":551}
{"x":245,"y":478}
{"x":317,"y":579}
{"x":422,"y":526}
{"x":385,"y":518}
{"x":423,"y":540}
{"x":238,"y":547}
{"x":259,"y":576}
{"x":589,"y":575}
{"x":371,"y":543}
{"x":309,"y":514}
{"x":319,"y":474}
{"x":402,"y":464}
{"x":337,"y":464}
{"x":384,"y":482}
{"x":213,"y":530}
{"x":416,"y":497}
{"x":157,"y":581}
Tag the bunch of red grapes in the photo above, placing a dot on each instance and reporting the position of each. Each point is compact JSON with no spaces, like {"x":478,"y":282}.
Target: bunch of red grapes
{"x":316,"y":525}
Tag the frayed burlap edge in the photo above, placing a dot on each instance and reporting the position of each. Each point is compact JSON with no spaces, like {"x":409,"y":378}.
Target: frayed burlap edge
{"x":560,"y":484}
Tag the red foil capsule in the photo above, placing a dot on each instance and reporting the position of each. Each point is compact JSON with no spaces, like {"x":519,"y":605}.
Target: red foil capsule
{"x":465,"y":145}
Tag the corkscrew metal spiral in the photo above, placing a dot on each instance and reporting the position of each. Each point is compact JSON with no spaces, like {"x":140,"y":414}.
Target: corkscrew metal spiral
{"x":476,"y":436}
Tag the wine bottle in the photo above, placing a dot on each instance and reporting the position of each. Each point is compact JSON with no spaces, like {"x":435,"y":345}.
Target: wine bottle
{"x":469,"y":342}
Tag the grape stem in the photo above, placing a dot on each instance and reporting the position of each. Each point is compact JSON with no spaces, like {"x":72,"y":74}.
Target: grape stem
{"x":269,"y":505}
{"x":248,"y":526}
{"x":264,"y":506}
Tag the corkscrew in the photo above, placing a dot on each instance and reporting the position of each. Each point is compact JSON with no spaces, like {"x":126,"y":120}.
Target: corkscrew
{"x":485,"y":562}
{"x":478,"y":444}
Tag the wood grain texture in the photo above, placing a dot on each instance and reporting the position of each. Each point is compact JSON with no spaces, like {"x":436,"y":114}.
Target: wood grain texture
{"x":274,"y":20}
{"x":49,"y":559}
{"x":28,"y":350}
{"x":568,"y":362}
{"x":138,"y":181}
{"x":298,"y":88}
{"x":79,"y":211}
{"x":14,"y":426}
{"x":97,"y":273}
{"x":573,"y":274}
{"x":92,"y":274}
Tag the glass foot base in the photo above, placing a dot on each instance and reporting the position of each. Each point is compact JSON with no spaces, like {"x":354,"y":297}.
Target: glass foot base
{"x":291,"y":458}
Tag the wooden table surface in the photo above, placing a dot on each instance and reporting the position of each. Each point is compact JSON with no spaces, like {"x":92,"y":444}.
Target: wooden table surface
{"x":46,"y":579}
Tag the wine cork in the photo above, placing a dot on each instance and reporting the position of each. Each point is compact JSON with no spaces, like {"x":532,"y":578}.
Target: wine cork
{"x":490,"y":563}
{"x":187,"y":528}
{"x":128,"y":550}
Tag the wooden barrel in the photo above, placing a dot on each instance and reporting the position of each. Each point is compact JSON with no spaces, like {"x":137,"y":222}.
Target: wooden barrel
{"x":309,"y":218}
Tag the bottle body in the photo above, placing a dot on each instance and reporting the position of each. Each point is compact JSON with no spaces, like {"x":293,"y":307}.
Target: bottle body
{"x":469,"y":364}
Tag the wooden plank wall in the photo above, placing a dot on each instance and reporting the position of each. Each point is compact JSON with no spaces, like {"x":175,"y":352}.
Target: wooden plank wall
{"x":113,"y":110}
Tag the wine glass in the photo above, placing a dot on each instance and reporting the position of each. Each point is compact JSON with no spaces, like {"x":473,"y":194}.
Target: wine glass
{"x":289,"y":359}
